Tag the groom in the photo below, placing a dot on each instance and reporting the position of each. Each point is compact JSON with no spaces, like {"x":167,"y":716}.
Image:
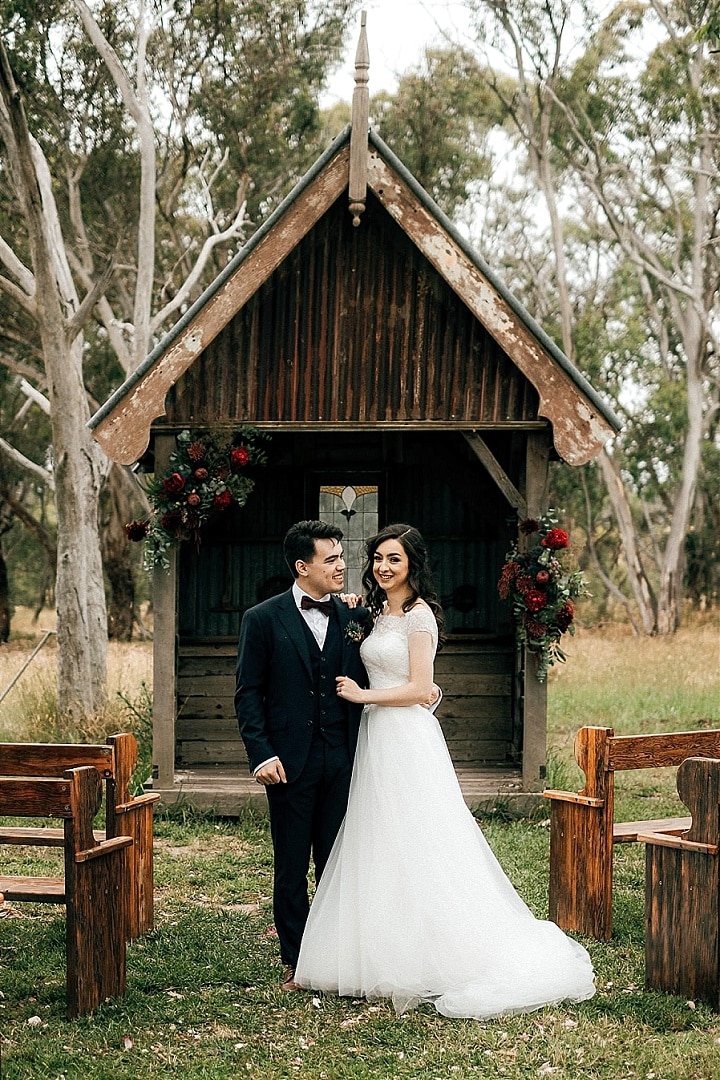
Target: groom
{"x":299,"y":735}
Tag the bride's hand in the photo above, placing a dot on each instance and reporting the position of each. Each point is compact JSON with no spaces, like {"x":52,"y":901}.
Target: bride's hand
{"x":351,"y":599}
{"x":349,"y":689}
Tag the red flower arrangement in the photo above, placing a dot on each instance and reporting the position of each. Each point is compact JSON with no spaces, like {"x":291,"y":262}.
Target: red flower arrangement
{"x":555,"y":539}
{"x":204,"y":476}
{"x":542,"y":592}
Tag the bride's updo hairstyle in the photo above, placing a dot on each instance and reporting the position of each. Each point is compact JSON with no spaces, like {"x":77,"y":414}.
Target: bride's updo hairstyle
{"x":419,"y":575}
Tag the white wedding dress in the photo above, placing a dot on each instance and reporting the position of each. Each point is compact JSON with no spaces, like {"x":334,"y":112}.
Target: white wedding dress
{"x":413,"y":905}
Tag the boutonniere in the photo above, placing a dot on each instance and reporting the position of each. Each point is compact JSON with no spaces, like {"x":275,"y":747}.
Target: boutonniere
{"x":354,"y":631}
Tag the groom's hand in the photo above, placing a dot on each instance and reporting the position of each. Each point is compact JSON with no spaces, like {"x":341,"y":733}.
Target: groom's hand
{"x":434,"y":700}
{"x":272,"y":773}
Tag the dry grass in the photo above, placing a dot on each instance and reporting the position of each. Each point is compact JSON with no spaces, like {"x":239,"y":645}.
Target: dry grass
{"x":28,"y":711}
{"x":635,"y":685}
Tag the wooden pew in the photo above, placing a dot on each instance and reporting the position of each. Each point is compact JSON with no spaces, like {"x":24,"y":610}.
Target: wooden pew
{"x":94,"y":886}
{"x":682,"y":892}
{"x":125,"y":814}
{"x":582,"y":826}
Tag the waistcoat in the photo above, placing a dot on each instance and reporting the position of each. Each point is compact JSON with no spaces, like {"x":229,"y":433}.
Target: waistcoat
{"x":330,"y":720}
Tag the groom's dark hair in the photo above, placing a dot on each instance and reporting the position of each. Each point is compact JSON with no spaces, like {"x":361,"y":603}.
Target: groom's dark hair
{"x":299,"y":542}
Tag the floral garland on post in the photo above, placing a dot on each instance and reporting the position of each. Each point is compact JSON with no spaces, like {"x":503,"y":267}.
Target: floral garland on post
{"x":204,"y":476}
{"x":542,"y":592}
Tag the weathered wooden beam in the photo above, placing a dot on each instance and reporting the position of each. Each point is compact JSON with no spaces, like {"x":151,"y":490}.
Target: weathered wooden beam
{"x":481,"y":449}
{"x":659,"y":751}
{"x":378,"y":425}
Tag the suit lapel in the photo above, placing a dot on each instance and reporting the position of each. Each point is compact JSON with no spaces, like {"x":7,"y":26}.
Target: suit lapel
{"x":344,"y":614}
{"x":291,"y":620}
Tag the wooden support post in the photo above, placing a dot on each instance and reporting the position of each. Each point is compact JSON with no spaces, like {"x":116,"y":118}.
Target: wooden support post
{"x":164,"y":651}
{"x":483,"y":452}
{"x":534,"y":691}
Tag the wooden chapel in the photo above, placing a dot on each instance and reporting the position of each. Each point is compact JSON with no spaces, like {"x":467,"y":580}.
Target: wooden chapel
{"x":399,"y":380}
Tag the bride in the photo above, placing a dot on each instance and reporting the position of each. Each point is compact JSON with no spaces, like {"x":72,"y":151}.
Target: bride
{"x":413,"y":904}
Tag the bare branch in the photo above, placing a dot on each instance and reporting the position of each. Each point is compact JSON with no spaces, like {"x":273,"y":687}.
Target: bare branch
{"x":34,"y":395}
{"x":76,"y":216}
{"x":90,"y":301}
{"x":137,"y":104}
{"x":15,"y":266}
{"x":111,"y":60}
{"x":18,"y":367}
{"x":56,"y":241}
{"x":107,"y":316}
{"x":190,"y":282}
{"x":34,"y":527}
{"x":44,"y":475}
{"x":26,"y":302}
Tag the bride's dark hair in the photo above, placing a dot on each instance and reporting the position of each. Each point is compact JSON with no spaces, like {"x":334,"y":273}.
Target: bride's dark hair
{"x":419,"y":574}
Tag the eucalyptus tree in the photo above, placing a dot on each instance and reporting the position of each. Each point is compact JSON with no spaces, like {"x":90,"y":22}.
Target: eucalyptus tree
{"x":140,"y":145}
{"x":618,"y":119}
{"x":439,"y":119}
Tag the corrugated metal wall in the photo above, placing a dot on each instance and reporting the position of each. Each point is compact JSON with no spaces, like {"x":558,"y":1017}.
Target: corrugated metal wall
{"x":354,"y":326}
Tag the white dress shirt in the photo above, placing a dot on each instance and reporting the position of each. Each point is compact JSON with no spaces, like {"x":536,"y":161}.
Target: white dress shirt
{"x":316,"y":619}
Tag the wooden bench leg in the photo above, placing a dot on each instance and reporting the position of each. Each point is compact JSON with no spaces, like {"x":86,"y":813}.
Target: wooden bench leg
{"x":681,"y":923}
{"x":96,"y":930}
{"x":136,"y":820}
{"x":129,"y":815}
{"x":581,"y":869}
{"x":682,"y":892}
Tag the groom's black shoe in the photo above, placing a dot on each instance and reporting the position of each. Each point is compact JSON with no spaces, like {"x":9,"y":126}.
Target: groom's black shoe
{"x":288,"y":980}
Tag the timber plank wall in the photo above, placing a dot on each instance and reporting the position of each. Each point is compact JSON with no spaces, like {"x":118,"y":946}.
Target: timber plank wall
{"x":476,"y":713}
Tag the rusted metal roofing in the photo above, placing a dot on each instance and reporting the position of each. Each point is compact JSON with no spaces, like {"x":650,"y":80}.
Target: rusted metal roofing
{"x":408,"y":326}
{"x":354,"y":327}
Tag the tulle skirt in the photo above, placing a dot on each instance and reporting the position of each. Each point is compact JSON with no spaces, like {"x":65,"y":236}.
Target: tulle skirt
{"x":413,"y":905}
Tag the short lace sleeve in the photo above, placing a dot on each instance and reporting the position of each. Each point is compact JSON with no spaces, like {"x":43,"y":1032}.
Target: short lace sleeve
{"x":421,"y":618}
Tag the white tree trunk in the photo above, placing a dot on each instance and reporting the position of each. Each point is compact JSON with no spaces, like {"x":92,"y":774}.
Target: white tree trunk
{"x":80,"y":591}
{"x":628,"y":537}
{"x":80,"y":594}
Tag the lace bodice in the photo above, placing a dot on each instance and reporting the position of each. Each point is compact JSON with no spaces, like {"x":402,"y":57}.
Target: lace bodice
{"x":385,"y":653}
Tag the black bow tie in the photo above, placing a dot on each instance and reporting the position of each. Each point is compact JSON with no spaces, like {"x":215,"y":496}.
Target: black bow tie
{"x":325,"y":606}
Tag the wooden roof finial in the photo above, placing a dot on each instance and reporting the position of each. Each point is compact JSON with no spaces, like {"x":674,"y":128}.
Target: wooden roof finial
{"x":357,"y":186}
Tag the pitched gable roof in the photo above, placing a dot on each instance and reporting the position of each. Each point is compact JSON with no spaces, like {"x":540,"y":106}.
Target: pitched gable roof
{"x":581,"y":421}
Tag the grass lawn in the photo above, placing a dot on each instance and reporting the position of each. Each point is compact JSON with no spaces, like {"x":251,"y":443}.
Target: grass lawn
{"x":203,"y":996}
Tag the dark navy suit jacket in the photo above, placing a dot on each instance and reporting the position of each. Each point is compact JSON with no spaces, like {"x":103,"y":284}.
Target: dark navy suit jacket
{"x":275,"y":700}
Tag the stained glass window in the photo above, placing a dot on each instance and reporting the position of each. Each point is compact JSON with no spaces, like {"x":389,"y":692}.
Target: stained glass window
{"x":354,"y":509}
